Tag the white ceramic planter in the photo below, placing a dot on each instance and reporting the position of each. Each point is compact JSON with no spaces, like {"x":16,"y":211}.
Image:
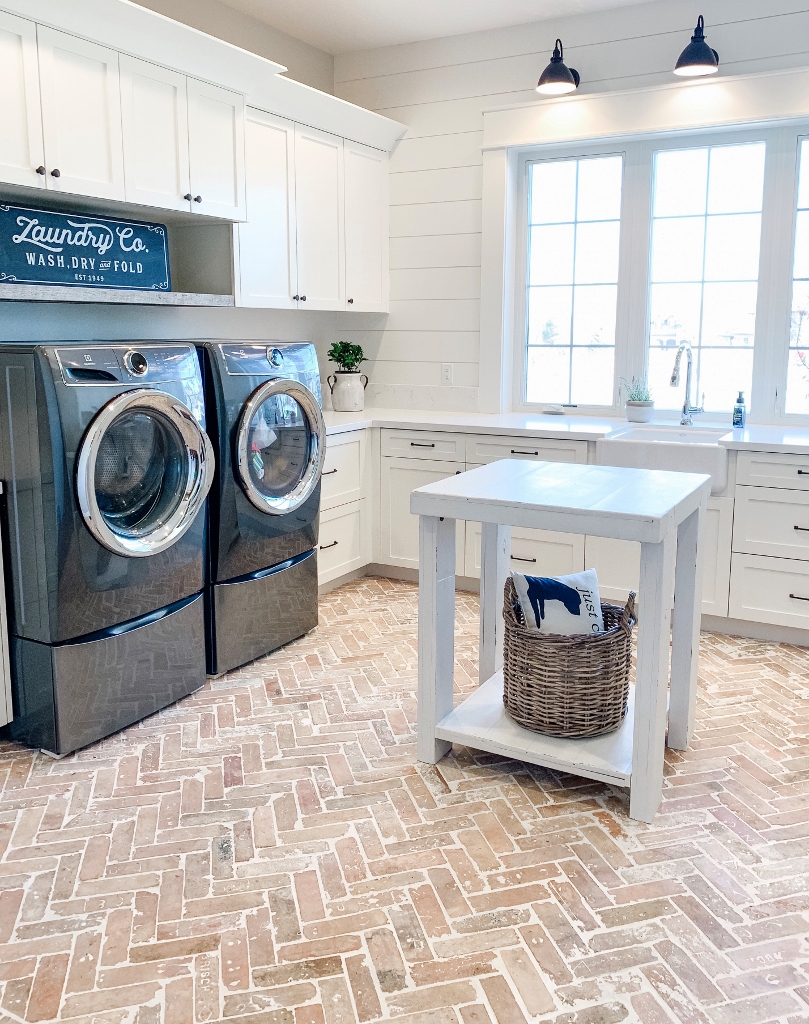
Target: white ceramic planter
{"x":347,"y":391}
{"x":639,"y":412}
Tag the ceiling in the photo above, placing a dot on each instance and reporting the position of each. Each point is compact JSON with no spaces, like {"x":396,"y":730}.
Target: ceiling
{"x":338,"y":26}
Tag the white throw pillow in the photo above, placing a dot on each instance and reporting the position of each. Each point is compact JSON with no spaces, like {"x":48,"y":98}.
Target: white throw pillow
{"x":560,"y":604}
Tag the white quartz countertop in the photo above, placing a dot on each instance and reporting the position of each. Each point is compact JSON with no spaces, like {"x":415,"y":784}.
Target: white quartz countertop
{"x":574,"y":428}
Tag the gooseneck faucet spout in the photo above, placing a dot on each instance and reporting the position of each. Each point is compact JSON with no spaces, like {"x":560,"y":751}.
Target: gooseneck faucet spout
{"x":688,"y":408}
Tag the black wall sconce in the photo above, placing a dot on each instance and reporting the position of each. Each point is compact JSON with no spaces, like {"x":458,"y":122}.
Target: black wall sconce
{"x":697,"y":58}
{"x":557,"y":78}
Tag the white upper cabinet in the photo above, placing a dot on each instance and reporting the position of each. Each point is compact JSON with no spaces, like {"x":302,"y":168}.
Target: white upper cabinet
{"x":154,"y":113}
{"x":366,"y":228}
{"x":21,"y":148}
{"x":319,"y":204}
{"x":216,"y":150}
{"x":81,"y":115}
{"x":267,"y":256}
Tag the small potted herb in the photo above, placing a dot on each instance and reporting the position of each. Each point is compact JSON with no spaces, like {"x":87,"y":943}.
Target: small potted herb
{"x":347,"y":384}
{"x":639,"y":404}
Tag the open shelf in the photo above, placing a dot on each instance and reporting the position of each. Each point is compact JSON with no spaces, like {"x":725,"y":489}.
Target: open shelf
{"x":62,"y":293}
{"x":481,"y":722}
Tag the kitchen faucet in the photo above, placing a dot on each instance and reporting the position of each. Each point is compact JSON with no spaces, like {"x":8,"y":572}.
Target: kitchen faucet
{"x":688,"y":408}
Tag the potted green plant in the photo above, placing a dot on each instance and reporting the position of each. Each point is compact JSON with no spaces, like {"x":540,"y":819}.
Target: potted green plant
{"x":347,"y":384}
{"x":639,"y":403}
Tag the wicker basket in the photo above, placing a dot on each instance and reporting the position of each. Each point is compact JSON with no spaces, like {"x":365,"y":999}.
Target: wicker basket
{"x":567,"y":685}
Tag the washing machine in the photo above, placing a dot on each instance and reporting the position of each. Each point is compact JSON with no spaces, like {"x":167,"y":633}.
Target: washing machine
{"x":264,"y":411}
{"x":106,"y":465}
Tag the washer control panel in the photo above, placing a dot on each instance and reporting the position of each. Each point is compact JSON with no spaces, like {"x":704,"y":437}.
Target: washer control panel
{"x":126,"y":364}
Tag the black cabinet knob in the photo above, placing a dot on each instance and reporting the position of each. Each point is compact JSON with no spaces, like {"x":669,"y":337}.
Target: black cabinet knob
{"x":303,"y":298}
{"x":197,"y":199}
{"x":41,"y":169}
{"x":56,"y":173}
{"x":187,"y":197}
{"x":296,"y":297}
{"x":350,"y":301}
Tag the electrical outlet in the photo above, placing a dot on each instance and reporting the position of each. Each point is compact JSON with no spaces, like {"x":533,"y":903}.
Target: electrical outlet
{"x":446,"y":373}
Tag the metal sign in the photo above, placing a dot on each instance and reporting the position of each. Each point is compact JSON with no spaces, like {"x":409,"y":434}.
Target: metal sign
{"x":42,"y":247}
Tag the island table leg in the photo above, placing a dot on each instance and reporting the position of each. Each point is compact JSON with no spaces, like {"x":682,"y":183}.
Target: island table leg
{"x":495,"y":556}
{"x":649,"y":730}
{"x":436,"y":632}
{"x":685,"y":629}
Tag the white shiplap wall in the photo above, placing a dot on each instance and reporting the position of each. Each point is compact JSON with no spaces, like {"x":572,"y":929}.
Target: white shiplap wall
{"x":439,"y":88}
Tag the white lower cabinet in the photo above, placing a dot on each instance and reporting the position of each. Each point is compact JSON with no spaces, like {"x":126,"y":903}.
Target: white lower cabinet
{"x":773,"y":590}
{"x":342,"y":545}
{"x":399,"y":529}
{"x":617,"y":562}
{"x":533,"y":552}
{"x":344,"y":470}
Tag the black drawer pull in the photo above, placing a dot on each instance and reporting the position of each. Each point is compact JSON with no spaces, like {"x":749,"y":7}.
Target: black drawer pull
{"x":331,"y":472}
{"x":803,"y":529}
{"x":516,"y":451}
{"x":421,"y":444}
{"x":515,"y":559}
{"x":803,"y":472}
{"x":797,"y":597}
{"x":324,"y":547}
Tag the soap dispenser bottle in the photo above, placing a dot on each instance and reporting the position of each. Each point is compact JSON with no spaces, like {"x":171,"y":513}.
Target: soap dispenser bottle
{"x":739,"y":412}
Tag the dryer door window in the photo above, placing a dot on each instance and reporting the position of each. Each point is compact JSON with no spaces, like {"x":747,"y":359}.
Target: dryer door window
{"x":280,"y":446}
{"x":144,"y":468}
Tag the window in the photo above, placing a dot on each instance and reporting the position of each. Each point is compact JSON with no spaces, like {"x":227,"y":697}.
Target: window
{"x":573,"y":246}
{"x":706,"y":230}
{"x":637,"y":247}
{"x":798,"y":370}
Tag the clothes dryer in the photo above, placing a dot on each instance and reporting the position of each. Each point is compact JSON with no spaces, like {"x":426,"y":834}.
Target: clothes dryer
{"x":264,"y":409}
{"x":107,"y":467}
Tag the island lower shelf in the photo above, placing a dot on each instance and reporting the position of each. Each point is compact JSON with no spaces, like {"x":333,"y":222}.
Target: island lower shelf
{"x":482,"y":722}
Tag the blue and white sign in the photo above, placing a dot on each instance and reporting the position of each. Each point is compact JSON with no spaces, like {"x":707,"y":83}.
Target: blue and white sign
{"x":42,"y":247}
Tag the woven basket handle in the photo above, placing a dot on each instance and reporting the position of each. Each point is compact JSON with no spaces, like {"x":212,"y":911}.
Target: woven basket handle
{"x":629,"y":609}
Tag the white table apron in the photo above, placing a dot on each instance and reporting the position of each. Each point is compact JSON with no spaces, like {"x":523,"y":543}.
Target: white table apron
{"x":664,"y":511}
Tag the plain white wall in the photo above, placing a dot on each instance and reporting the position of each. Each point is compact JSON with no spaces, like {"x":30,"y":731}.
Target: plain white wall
{"x":440,"y":88}
{"x":304,"y":63}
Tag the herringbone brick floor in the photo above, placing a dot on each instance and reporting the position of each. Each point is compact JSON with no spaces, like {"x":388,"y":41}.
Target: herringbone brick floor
{"x":269,"y":851}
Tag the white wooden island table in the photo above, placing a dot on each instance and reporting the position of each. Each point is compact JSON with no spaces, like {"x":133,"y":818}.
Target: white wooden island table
{"x":664,"y":511}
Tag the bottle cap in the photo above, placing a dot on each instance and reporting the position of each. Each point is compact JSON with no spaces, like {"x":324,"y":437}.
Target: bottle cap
{"x":741,"y":397}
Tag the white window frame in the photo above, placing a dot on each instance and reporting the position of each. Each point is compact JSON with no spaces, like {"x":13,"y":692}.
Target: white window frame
{"x":774,"y":302}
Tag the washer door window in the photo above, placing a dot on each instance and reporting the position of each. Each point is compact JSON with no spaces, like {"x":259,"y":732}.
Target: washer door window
{"x":280,"y":446}
{"x":144,"y":468}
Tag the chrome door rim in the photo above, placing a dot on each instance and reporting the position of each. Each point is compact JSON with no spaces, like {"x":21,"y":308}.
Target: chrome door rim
{"x":199,"y":473}
{"x":309,"y":480}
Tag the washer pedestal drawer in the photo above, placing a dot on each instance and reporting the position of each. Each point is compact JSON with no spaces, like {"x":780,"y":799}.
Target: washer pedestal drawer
{"x":72,"y":694}
{"x":253,"y":615}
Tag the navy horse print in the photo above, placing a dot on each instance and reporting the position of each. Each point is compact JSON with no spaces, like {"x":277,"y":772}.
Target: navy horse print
{"x":542,"y":589}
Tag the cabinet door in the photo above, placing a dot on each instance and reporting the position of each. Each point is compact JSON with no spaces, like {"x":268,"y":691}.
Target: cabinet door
{"x":216,"y":150}
{"x":21,"y":149}
{"x":154,"y":115}
{"x":267,"y":260}
{"x":81,"y":116}
{"x":319,"y":217}
{"x":399,"y":528}
{"x":366,"y":228}
{"x":533,"y":552}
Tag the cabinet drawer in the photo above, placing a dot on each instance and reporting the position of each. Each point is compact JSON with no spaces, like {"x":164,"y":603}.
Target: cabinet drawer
{"x":340,"y":546}
{"x":771,"y":521}
{"x":774,"y":590}
{"x":343,"y":477}
{"x":423,"y":444}
{"x":772,"y":469}
{"x":490,"y":448}
{"x":533,"y":552}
